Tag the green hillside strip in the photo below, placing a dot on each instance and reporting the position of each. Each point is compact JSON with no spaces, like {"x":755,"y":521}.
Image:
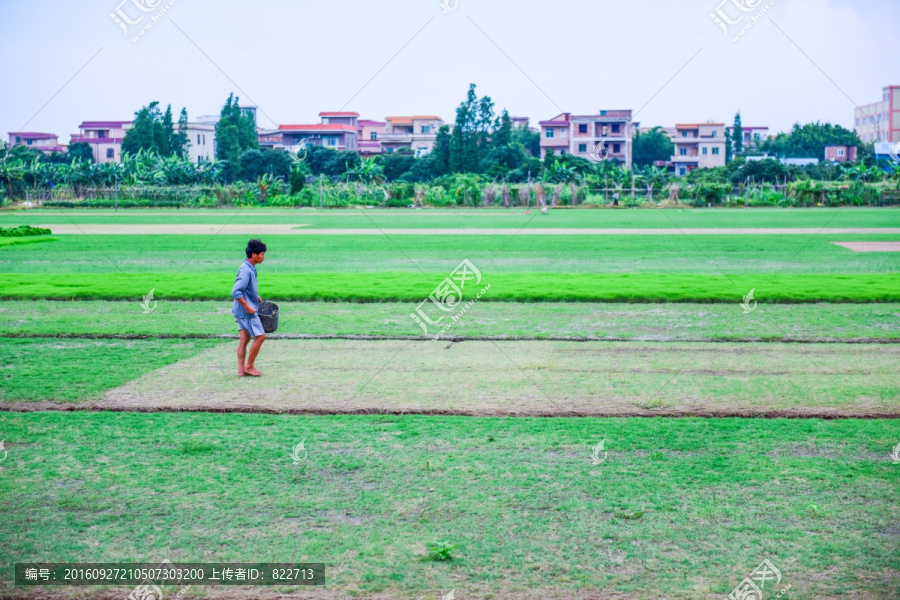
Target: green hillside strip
{"x":516,"y":287}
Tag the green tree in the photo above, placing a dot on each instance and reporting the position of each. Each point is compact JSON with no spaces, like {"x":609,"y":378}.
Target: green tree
{"x":259,"y":162}
{"x":475,"y":123}
{"x":651,"y":146}
{"x":181,"y":142}
{"x":737,"y":135}
{"x":80,"y":151}
{"x":809,"y":141}
{"x":503,"y":134}
{"x":440,"y":154}
{"x":235,"y":134}
{"x":154,"y":131}
{"x":530,"y":140}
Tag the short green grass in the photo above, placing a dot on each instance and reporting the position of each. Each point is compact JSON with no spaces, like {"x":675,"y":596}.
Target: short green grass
{"x":480,"y":218}
{"x":519,"y":498}
{"x":576,"y":254}
{"x":70,"y":370}
{"x":660,"y":322}
{"x":415,"y":287}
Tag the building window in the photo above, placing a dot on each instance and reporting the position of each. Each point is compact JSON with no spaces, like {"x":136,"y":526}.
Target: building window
{"x":715,"y":151}
{"x":617,"y":148}
{"x":582,"y":128}
{"x":605,"y":131}
{"x":715,"y":133}
{"x":29,"y":142}
{"x":682,"y":151}
{"x":615,"y":128}
{"x":840,"y":152}
{"x":683,"y":171}
{"x":582,"y":147}
{"x":101,"y":134}
{"x":549,"y":133}
{"x":110,"y":153}
{"x":373,"y":136}
{"x":204,"y":139}
{"x":704,"y":151}
{"x":684,"y":134}
{"x":332,"y":141}
{"x":198,"y":139}
{"x":426,"y":128}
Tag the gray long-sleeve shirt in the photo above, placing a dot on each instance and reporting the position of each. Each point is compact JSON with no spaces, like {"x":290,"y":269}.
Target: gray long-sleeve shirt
{"x":246,"y":287}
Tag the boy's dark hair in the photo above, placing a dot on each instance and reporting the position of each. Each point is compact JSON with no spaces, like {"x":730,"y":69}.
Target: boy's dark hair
{"x":255,"y":247}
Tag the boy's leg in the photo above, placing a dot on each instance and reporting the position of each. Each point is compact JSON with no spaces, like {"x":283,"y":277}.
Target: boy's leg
{"x":254,"y":350}
{"x":242,"y":351}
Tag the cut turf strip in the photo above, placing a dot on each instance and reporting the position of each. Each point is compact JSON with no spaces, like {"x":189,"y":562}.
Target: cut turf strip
{"x":527,"y":378}
{"x":307,"y":229}
{"x":495,"y":320}
{"x":415,"y":287}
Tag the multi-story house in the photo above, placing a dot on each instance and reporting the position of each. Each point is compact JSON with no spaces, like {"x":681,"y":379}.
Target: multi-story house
{"x":880,"y":121}
{"x":45,"y":142}
{"x":202,"y":139}
{"x":369,"y":134}
{"x":418,"y":133}
{"x":336,"y":131}
{"x":698,"y":146}
{"x":752,"y":136}
{"x":104,"y":137}
{"x":840,"y":154}
{"x":608,"y":133}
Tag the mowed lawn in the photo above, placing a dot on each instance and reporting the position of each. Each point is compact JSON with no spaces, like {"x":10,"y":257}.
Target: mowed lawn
{"x":439,"y":218}
{"x":718,"y":254}
{"x":673,"y":508}
{"x":533,"y":507}
{"x":503,"y":320}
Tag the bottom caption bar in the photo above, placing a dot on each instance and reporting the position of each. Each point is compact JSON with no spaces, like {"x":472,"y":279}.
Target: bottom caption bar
{"x":168,"y":573}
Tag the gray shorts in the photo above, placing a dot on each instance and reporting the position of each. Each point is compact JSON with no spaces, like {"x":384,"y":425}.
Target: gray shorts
{"x":251,"y":325}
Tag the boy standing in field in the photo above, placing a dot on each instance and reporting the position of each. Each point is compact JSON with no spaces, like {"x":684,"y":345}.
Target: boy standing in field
{"x":246,"y":302}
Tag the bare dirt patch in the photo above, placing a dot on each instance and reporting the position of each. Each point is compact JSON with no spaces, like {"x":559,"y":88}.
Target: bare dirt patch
{"x":870,"y":246}
{"x":524,"y":378}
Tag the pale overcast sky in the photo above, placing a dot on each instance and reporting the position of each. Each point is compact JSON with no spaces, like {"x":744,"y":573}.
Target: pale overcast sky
{"x":65,"y":62}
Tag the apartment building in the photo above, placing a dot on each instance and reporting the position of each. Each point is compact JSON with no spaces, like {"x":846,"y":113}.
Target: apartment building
{"x":369,"y":134}
{"x":698,"y":146}
{"x":417,"y":133}
{"x":45,"y":142}
{"x":587,"y":135}
{"x":104,"y":138}
{"x":880,"y":121}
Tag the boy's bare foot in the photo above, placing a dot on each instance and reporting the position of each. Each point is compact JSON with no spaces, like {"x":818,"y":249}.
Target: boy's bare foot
{"x":240,"y":373}
{"x":253,"y":372}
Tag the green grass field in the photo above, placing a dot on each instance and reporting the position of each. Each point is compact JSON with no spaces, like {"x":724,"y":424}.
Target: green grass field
{"x":680,"y":508}
{"x":480,"y":218}
{"x":516,"y":320}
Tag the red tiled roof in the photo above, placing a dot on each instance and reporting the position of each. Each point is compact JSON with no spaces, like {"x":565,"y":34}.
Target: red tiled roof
{"x":338,"y":114}
{"x":555,"y":123}
{"x":33,"y":135}
{"x":318,"y":127}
